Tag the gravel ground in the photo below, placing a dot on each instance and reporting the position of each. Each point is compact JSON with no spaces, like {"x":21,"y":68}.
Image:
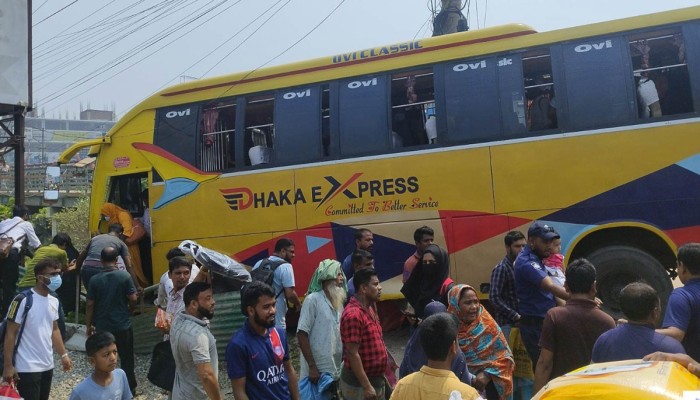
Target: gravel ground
{"x":64,"y":382}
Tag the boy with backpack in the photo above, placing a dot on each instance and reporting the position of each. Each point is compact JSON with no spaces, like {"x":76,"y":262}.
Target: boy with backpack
{"x":277,"y":272}
{"x":107,"y":381}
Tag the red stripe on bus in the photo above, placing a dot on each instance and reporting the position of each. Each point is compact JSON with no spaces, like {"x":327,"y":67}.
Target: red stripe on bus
{"x":170,"y":157}
{"x":361,"y":61}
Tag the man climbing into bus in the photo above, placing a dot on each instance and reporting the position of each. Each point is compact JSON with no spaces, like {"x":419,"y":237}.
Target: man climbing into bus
{"x":533,"y":287}
{"x":364,"y":240}
{"x":682,"y":320}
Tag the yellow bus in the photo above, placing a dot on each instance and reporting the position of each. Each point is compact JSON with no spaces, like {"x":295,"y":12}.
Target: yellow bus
{"x":592,"y":129}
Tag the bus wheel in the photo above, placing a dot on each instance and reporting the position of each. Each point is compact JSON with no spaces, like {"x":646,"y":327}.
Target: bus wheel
{"x":617,"y":266}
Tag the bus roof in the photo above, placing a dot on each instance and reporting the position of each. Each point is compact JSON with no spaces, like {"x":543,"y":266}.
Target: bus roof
{"x":397,"y":56}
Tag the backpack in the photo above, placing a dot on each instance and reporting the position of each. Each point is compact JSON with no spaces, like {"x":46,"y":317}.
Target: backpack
{"x":266,"y":271}
{"x":6,"y":242}
{"x":25,"y":294}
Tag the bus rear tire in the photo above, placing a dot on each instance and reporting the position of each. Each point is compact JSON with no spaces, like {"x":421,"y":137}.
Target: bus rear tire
{"x":620,"y":265}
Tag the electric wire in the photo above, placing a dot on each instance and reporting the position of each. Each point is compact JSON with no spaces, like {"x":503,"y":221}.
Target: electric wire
{"x":82,"y":53}
{"x":60,"y":34}
{"x":133,"y":64}
{"x":61,"y":9}
{"x":212,"y":51}
{"x":39,"y":8}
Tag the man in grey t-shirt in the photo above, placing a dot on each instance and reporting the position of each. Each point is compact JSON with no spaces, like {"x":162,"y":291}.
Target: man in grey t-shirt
{"x":89,"y":260}
{"x":194,"y":347}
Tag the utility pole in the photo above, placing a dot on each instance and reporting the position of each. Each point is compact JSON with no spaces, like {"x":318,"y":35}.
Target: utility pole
{"x":450,"y":18}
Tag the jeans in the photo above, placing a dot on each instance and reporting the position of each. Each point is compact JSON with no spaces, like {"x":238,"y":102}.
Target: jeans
{"x":10,"y":276}
{"x":506,"y":331}
{"x":35,"y":385}
{"x":530,"y":330}
{"x":87,"y":272}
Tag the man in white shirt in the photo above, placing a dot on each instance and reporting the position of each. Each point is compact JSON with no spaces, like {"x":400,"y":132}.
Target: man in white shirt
{"x":18,"y":228}
{"x":165,"y":286}
{"x":33,"y":363}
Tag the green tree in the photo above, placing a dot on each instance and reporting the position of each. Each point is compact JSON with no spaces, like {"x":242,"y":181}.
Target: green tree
{"x":74,"y":221}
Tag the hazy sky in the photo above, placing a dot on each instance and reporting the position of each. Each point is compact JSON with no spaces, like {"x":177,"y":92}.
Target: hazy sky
{"x":105,"y":52}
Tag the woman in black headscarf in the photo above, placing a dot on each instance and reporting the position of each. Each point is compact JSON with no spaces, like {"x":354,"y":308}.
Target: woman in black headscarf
{"x":427,"y":279}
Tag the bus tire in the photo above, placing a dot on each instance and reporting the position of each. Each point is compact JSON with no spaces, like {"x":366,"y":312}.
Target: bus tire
{"x":620,"y":265}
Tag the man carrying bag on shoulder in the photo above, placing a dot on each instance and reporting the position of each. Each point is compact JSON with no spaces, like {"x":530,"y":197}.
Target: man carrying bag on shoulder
{"x":13,"y":231}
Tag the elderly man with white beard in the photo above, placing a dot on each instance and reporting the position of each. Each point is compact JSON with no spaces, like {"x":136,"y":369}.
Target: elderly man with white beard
{"x":318,"y":330}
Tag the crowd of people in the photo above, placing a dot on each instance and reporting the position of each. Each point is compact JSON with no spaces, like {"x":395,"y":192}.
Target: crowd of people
{"x":457,"y":349}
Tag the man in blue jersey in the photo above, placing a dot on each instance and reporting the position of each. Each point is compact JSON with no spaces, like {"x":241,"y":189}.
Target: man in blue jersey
{"x":257,"y":357}
{"x":535,"y":290}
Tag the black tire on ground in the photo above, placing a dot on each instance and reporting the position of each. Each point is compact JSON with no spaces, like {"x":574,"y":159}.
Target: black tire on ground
{"x":620,"y":265}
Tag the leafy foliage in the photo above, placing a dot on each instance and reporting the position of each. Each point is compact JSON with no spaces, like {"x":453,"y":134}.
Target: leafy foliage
{"x":74,"y":221}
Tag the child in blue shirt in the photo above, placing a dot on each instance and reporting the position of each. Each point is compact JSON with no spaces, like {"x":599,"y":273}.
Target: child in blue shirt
{"x":107,"y":382}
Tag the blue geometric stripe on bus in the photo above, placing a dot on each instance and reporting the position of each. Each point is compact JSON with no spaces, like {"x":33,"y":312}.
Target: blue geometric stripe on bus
{"x":668,"y":198}
{"x":691,"y":164}
{"x":389,"y":254}
{"x":314,"y":243}
{"x":174,"y":189}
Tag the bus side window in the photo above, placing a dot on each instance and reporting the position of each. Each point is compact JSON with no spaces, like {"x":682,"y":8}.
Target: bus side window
{"x":217,"y":133}
{"x":326,"y":120}
{"x":298,"y":125}
{"x":597,"y":85}
{"x":660,"y":73}
{"x":259,"y":129}
{"x":177,"y":132}
{"x":473,"y":112}
{"x":362,"y":115}
{"x":412,"y":95}
{"x":539,"y":91}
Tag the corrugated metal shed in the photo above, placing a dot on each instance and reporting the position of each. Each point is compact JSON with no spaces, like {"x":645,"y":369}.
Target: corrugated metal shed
{"x":227,"y":320}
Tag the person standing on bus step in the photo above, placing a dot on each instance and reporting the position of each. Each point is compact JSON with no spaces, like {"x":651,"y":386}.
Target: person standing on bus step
{"x":90,"y":260}
{"x":502,"y":291}
{"x":682,"y":320}
{"x":34,"y":363}
{"x":133,"y":233}
{"x":109,"y":297}
{"x":283,"y":280}
{"x":17,"y":228}
{"x":257,"y":357}
{"x":424,"y":237}
{"x":534,"y":289}
{"x":361,"y":259}
{"x":364,"y":240}
{"x":570,"y":331}
{"x":365,"y":354}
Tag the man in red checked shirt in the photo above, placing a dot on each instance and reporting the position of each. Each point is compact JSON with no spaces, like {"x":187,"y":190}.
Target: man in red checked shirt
{"x":365,"y":357}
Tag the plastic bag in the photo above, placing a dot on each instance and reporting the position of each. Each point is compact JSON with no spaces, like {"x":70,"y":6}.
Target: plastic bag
{"x":162,"y":320}
{"x":523,"y":365}
{"x":162,"y":370}
{"x":216,"y":262}
{"x":9,"y":392}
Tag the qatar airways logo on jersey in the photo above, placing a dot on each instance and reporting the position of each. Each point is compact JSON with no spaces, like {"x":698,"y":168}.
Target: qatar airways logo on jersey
{"x":242,"y":198}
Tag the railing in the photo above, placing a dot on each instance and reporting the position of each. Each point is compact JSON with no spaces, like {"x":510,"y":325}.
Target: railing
{"x":74,"y":180}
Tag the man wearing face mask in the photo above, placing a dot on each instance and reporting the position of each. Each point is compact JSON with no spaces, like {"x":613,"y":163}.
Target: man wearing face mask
{"x":109,"y":297}
{"x":33,"y":362}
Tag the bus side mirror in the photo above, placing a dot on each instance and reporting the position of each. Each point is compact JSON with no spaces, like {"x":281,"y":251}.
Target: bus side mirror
{"x":52,"y":182}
